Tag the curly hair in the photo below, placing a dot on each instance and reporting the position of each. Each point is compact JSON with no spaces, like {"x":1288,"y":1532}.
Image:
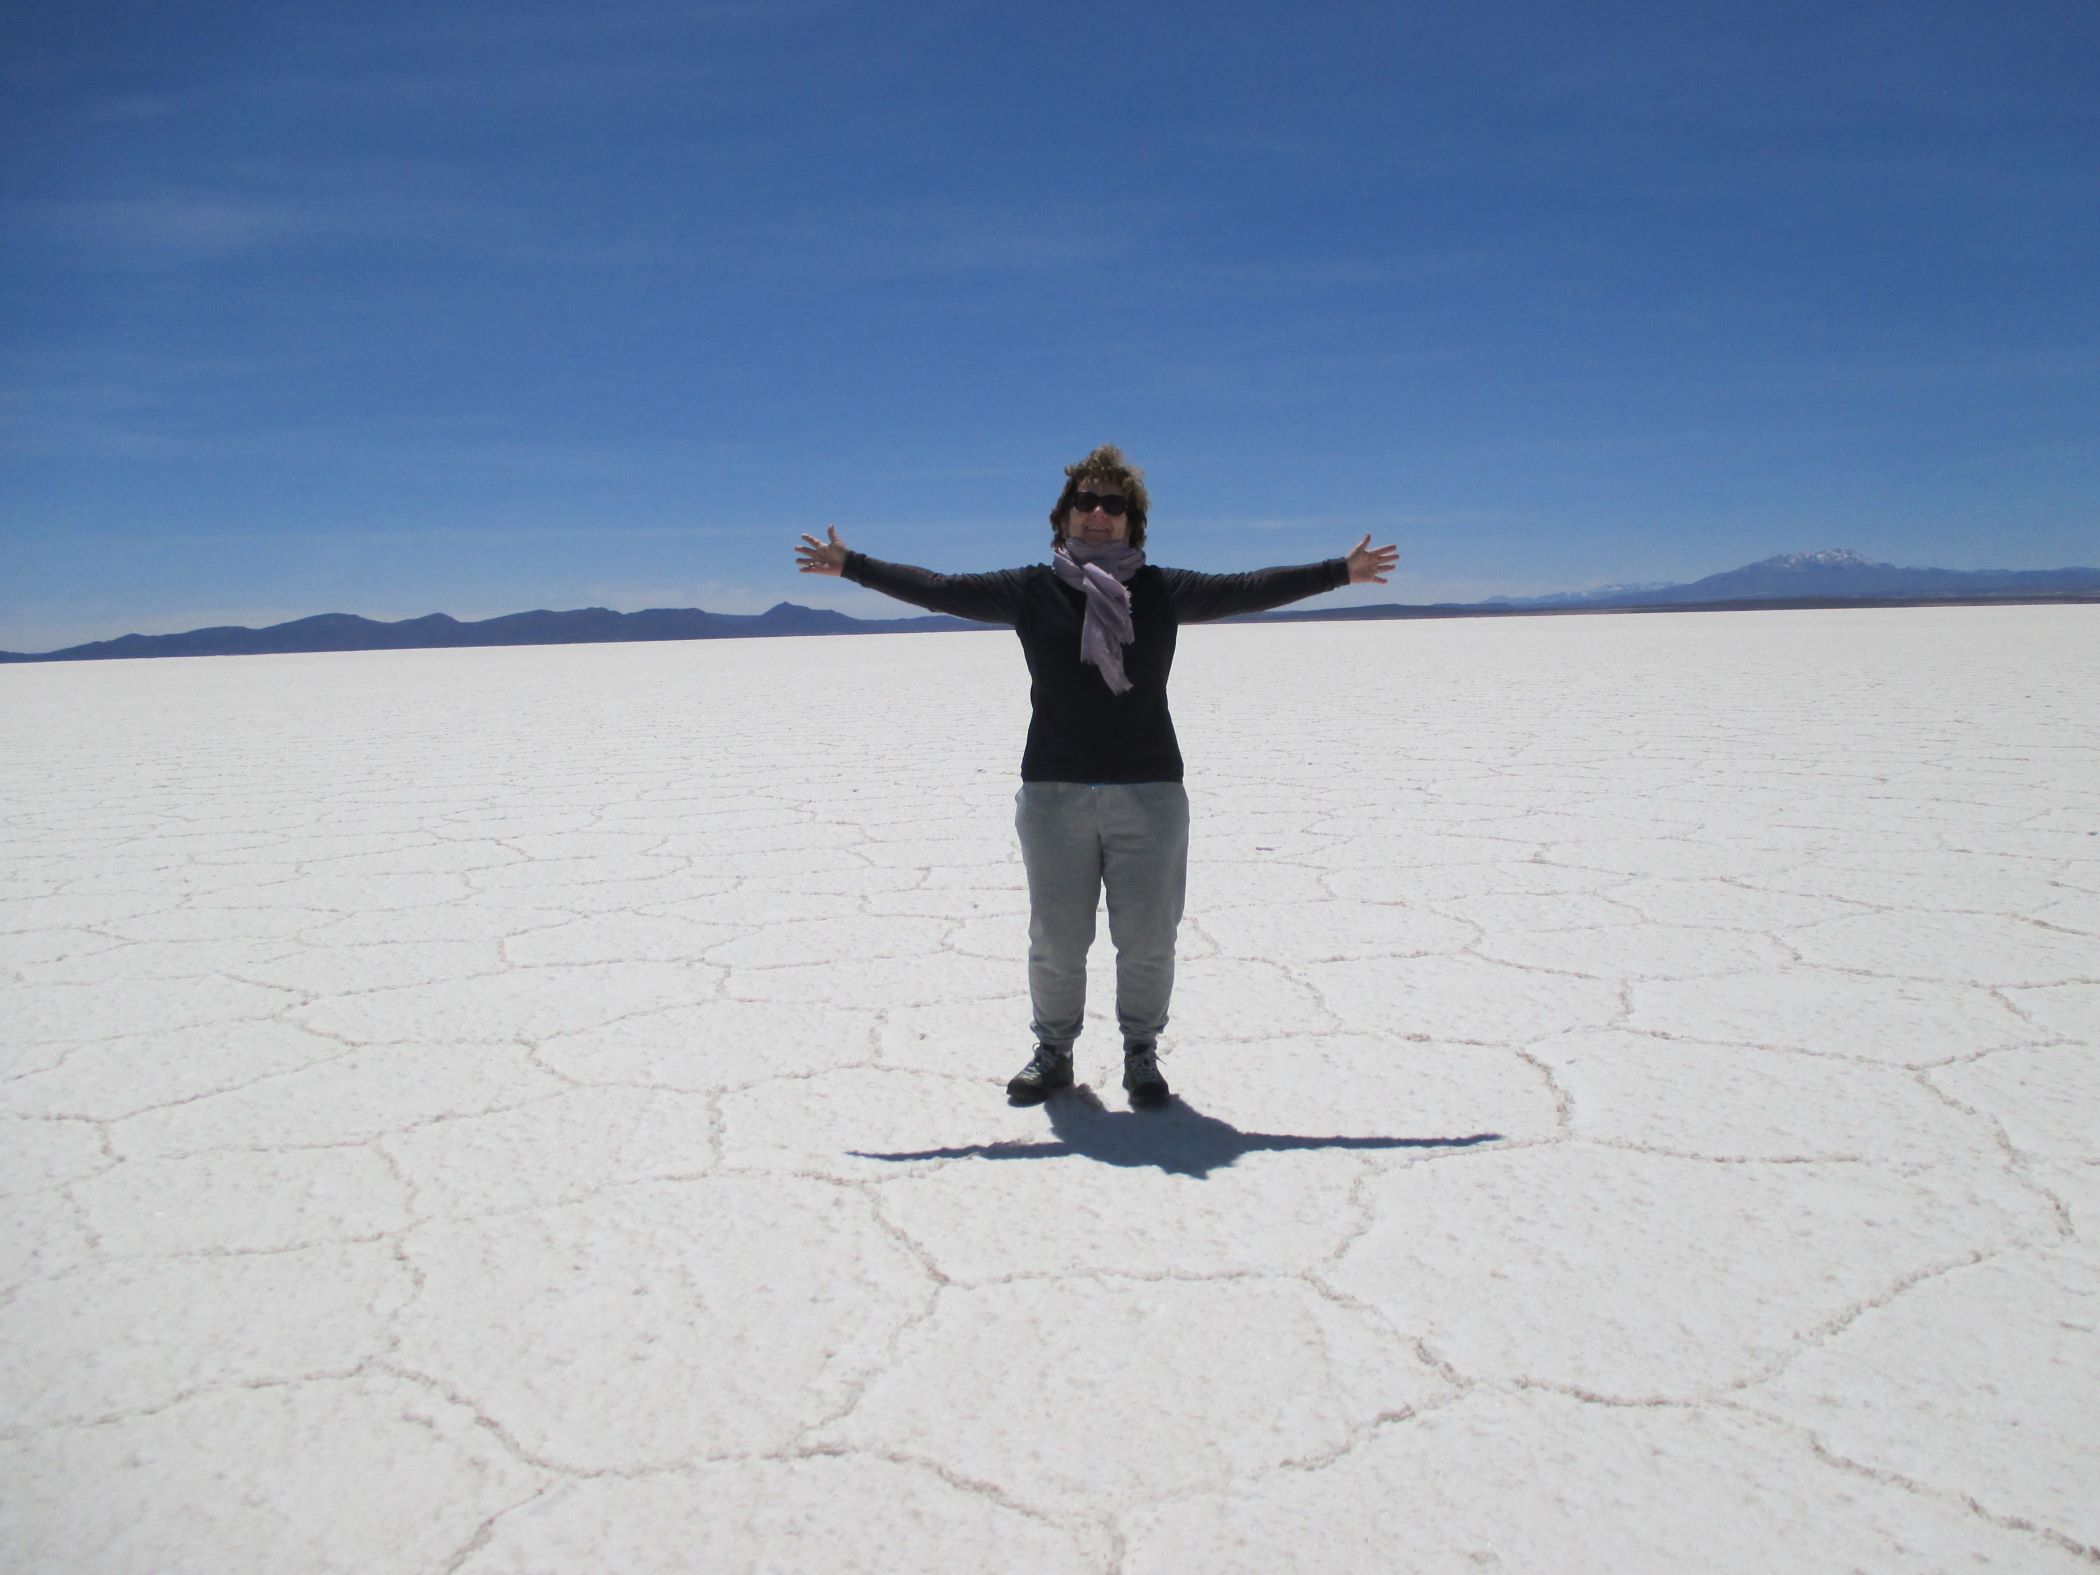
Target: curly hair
{"x":1106,"y":463}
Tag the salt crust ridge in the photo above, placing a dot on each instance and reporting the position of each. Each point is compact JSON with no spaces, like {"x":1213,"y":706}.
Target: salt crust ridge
{"x":527,"y":1109}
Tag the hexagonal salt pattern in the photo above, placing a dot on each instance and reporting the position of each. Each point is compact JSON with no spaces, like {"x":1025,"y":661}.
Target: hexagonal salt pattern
{"x":1538,"y":1481}
{"x":541,"y":1109}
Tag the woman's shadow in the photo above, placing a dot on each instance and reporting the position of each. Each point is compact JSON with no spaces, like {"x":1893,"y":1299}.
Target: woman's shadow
{"x":1177,"y":1138}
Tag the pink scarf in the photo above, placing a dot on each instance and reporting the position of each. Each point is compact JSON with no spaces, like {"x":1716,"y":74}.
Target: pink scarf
{"x":1103,"y":573}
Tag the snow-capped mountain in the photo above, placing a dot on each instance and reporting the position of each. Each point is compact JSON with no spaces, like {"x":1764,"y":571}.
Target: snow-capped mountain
{"x":1834,"y":572}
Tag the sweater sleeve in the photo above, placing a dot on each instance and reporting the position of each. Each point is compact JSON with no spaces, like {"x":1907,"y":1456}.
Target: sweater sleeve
{"x":988,"y":598}
{"x":1199,"y":598}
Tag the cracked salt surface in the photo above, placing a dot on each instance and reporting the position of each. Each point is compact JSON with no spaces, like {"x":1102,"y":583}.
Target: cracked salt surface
{"x":540,"y":1109}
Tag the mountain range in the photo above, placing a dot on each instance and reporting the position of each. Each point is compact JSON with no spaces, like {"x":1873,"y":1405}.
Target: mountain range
{"x":580,"y":626}
{"x":1831,"y":578}
{"x":1823,"y":575}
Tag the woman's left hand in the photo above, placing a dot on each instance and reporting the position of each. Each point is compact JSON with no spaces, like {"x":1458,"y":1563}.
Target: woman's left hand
{"x":1369,"y":564}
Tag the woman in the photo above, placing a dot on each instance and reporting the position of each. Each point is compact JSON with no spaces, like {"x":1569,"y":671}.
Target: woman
{"x":1101,"y":799}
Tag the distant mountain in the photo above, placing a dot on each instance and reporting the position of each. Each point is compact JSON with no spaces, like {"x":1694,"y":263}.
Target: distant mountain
{"x":1837,"y":578}
{"x":584,"y":625}
{"x":1826,"y":575}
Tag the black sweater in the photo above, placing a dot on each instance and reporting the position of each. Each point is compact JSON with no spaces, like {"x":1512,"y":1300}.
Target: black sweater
{"x":1080,"y":731}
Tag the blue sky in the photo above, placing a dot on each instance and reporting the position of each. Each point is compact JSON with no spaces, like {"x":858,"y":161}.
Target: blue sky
{"x":394,"y":309}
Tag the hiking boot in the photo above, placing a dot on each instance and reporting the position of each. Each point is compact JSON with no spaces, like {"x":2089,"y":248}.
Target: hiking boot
{"x":1048,"y":1070}
{"x":1141,"y":1079}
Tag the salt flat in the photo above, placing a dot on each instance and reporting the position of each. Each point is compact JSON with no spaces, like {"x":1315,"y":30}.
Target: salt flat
{"x":541,"y":1110}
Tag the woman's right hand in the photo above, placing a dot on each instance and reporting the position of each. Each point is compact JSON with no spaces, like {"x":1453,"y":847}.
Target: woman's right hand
{"x":822,"y":557}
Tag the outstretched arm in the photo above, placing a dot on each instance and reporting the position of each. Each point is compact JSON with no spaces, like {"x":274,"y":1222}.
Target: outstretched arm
{"x":1199,"y":598}
{"x":988,"y":598}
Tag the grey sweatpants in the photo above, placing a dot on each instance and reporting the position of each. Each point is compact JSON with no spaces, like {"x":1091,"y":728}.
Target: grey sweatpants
{"x":1075,"y":837}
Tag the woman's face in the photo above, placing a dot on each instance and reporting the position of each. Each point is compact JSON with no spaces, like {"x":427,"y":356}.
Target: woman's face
{"x":1093,"y":525}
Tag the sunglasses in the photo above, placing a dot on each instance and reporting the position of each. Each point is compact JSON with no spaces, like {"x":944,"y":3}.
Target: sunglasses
{"x":1107,"y":503}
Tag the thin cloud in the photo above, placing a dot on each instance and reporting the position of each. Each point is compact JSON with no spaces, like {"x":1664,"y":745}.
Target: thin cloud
{"x":1324,"y":272}
{"x":1372,"y":519}
{"x":172,"y":226}
{"x":627,"y":23}
{"x":177,"y":226}
{"x":533,"y":58}
{"x":903,"y":239}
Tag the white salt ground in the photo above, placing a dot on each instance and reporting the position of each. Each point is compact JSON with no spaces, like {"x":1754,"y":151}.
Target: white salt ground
{"x":541,"y":1110}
